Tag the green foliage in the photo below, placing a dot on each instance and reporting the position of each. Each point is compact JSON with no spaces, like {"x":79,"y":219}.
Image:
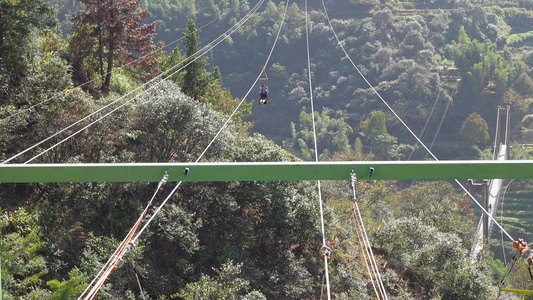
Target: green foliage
{"x":436,"y":262}
{"x":331,"y":134}
{"x":70,"y":289}
{"x":436,"y":204}
{"x":228,"y":284}
{"x":524,"y":85}
{"x":195,"y":80}
{"x":169,"y":126}
{"x":223,"y":102}
{"x":172,"y":60}
{"x":519,"y":105}
{"x":386,"y":147}
{"x":121,"y":82}
{"x":374,"y":126}
{"x":23,"y":266}
{"x":474,"y":130}
{"x":518,"y":152}
{"x":19,"y":19}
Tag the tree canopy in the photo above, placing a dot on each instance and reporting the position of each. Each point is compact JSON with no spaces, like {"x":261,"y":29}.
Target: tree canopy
{"x":442,"y":66}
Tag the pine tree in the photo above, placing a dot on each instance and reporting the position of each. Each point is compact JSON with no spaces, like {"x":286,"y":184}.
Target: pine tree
{"x":195,"y":81}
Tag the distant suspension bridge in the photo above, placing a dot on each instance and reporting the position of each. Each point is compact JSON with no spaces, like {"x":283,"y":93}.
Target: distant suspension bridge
{"x":490,"y":189}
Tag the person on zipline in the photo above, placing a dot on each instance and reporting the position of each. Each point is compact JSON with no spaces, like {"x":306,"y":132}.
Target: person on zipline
{"x":264,"y":94}
{"x":524,"y":251}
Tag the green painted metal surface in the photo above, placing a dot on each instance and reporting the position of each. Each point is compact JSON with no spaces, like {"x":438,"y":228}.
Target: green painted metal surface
{"x":268,"y":171}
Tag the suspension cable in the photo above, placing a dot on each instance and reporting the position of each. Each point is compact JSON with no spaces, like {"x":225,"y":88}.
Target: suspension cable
{"x":316,"y":149}
{"x":365,"y":238}
{"x":121,"y":67}
{"x":501,"y":220}
{"x":196,"y":56}
{"x":362,"y":245}
{"x":406,"y":126}
{"x":427,"y":122}
{"x":364,"y":251}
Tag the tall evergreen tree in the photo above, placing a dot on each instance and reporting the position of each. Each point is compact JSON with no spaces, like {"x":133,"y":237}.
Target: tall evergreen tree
{"x":195,"y":81}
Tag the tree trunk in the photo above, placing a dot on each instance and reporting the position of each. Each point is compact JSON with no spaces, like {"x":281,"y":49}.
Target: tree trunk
{"x":110,"y":57}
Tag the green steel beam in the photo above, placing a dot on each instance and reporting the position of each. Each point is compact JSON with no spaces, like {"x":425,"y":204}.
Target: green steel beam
{"x":267,"y":171}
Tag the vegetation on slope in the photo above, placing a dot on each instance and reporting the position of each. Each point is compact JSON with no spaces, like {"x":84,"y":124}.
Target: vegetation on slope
{"x":255,"y":240}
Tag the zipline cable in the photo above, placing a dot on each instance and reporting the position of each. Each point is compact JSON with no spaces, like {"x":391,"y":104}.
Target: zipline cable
{"x":316,"y":151}
{"x":365,"y":238}
{"x":440,"y":125}
{"x":362,"y":245}
{"x":427,"y":122}
{"x":138,"y":281}
{"x":405,"y":125}
{"x":196,"y":56}
{"x":121,"y":67}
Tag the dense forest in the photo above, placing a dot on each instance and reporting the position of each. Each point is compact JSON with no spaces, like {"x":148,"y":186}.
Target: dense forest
{"x":94,"y":81}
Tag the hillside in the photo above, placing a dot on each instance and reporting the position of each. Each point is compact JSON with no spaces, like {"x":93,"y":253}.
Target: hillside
{"x":98,"y":87}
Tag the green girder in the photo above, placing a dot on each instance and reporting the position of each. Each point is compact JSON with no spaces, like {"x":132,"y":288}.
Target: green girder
{"x":268,"y":171}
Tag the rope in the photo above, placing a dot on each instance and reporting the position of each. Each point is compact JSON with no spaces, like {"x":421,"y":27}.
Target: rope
{"x":196,"y":56}
{"x":138,"y":281}
{"x":427,"y":122}
{"x":405,"y":125}
{"x":339,"y":231}
{"x":316,"y":149}
{"x":365,"y":238}
{"x":121,"y":67}
{"x":362,"y":245}
{"x":440,"y":123}
{"x":508,"y":271}
{"x":126,"y":241}
{"x":501,"y":220}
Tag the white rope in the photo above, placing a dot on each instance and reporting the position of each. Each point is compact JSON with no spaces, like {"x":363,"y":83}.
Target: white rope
{"x":196,"y":56}
{"x":366,"y":255}
{"x":405,"y":125}
{"x":427,"y":122}
{"x":501,"y":220}
{"x":362,"y":245}
{"x":316,"y":150}
{"x":121,"y":67}
{"x":367,"y":241}
{"x":138,"y":280}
